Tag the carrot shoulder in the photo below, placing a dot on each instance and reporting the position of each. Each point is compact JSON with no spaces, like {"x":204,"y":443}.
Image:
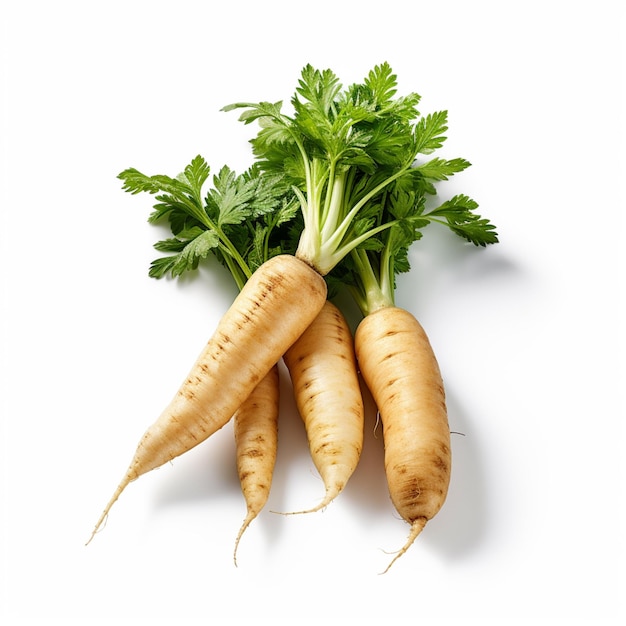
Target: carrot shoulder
{"x":401,"y":371}
{"x":272,"y":310}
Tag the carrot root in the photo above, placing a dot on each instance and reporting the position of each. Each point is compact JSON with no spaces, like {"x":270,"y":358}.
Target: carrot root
{"x":256,"y":437}
{"x":128,"y":478}
{"x":250,"y":517}
{"x":331,"y":494}
{"x":323,"y":370}
{"x":400,"y":369}
{"x":416,"y":528}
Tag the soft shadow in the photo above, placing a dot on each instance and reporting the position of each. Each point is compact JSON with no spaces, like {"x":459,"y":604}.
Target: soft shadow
{"x":441,"y":265}
{"x":207,"y":472}
{"x":463,"y":522}
{"x":367,"y":487}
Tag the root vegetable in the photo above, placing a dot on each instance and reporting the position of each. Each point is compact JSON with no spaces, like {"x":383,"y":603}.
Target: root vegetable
{"x":256,"y":437}
{"x":323,"y":370}
{"x":400,"y":369}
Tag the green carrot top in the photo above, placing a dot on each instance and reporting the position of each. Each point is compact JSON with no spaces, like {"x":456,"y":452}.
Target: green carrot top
{"x":342,"y":182}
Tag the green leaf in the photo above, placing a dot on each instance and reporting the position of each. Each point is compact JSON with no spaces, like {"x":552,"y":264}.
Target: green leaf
{"x":382,"y":84}
{"x":188,"y":257}
{"x":275,"y":127}
{"x":319,"y":89}
{"x":229,"y":200}
{"x":256,"y":111}
{"x":459,"y":213}
{"x":405,"y":203}
{"x":162,"y":266}
{"x":182,"y":193}
{"x":441,"y":169}
{"x":194,"y":177}
{"x":429,"y":132}
{"x":170,"y":245}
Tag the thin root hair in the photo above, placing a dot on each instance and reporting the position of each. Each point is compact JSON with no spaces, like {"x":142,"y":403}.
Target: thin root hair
{"x":416,"y":528}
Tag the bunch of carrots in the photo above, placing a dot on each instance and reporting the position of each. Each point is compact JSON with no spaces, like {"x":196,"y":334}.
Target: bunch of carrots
{"x":340,"y":188}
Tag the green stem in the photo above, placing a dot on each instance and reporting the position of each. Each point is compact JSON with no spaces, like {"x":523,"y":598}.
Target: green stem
{"x":329,"y":250}
{"x":371,"y":194}
{"x":386,"y":275}
{"x":332,"y":258}
{"x":236,"y":272}
{"x":371,"y":297}
{"x":232,"y":252}
{"x":334,"y":203}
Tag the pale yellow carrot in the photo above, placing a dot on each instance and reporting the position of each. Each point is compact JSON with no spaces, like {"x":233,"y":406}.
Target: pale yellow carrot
{"x":272,"y":310}
{"x":323,"y":370}
{"x":400,"y":369}
{"x":256,"y":439}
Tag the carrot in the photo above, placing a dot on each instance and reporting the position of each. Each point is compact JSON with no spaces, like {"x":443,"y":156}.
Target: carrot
{"x":398,"y":365}
{"x":256,"y":437}
{"x":272,"y":310}
{"x":396,"y":359}
{"x":323,"y":370}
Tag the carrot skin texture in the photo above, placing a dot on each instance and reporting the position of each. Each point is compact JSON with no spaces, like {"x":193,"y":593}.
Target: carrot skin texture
{"x":272,"y":310}
{"x":323,"y":369}
{"x":256,"y":438}
{"x":400,"y":369}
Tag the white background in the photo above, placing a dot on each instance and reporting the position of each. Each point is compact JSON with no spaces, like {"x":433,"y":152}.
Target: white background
{"x":529,"y":333}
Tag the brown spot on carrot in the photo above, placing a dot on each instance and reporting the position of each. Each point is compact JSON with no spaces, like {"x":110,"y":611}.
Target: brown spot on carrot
{"x":187,"y":393}
{"x":411,"y":491}
{"x":328,"y":450}
{"x":439,"y":463}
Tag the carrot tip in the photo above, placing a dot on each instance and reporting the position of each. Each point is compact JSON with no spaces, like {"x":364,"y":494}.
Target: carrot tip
{"x":315,"y":509}
{"x":331,"y":494}
{"x":102,"y":522}
{"x":246,"y":522}
{"x":416,"y":528}
{"x":105,"y":514}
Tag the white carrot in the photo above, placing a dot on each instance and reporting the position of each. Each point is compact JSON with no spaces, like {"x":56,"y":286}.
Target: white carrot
{"x":256,"y":437}
{"x":400,"y":369}
{"x":398,"y":364}
{"x":323,"y":370}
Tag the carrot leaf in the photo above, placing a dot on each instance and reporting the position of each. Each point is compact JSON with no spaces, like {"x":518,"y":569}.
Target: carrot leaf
{"x":460,"y":216}
{"x":236,"y":212}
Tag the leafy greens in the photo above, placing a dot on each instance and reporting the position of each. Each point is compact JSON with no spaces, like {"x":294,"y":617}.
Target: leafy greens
{"x":342,"y":182}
